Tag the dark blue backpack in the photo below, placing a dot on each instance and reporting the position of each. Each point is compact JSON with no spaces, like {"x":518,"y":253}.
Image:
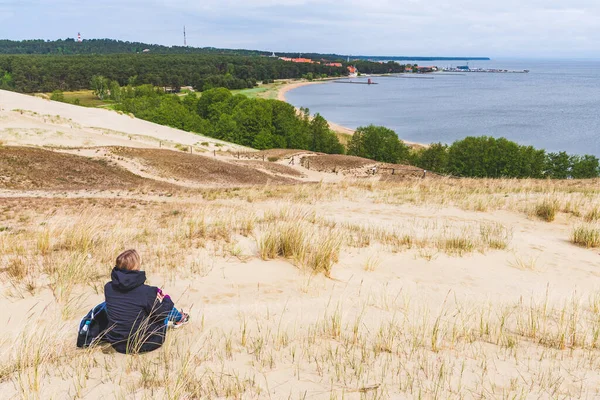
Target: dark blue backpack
{"x":93,"y":326}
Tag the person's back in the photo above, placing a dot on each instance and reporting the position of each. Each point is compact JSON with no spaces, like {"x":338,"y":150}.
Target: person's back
{"x":137,"y":313}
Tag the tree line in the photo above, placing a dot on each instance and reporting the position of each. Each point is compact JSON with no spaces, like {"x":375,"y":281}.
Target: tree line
{"x":489,"y":157}
{"x":217,"y":113}
{"x":39,"y":73}
{"x":71,"y":46}
{"x":477,"y":157}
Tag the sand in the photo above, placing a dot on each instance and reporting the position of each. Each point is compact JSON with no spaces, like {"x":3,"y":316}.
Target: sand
{"x":438,"y":289}
{"x":36,"y":121}
{"x":271,"y":329}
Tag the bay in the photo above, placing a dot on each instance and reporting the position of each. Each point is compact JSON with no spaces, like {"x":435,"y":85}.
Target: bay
{"x":556,"y":106}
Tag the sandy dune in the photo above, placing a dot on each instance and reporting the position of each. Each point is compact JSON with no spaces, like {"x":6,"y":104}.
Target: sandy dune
{"x":304,"y":285}
{"x":43,"y":122}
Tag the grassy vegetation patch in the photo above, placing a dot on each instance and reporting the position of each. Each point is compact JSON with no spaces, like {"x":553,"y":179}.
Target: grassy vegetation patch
{"x":546,"y":209}
{"x":586,"y":235}
{"x":85,"y":98}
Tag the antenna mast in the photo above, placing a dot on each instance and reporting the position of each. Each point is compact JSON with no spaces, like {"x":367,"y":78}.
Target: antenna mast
{"x":184,"y":38}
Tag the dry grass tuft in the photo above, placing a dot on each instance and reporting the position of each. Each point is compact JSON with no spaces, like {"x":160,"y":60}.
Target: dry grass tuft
{"x":586,"y":235}
{"x":306,"y":245}
{"x":546,"y":209}
{"x":593,"y":215}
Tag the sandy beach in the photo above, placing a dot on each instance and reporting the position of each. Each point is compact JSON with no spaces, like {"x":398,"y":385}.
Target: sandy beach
{"x":294,"y":85}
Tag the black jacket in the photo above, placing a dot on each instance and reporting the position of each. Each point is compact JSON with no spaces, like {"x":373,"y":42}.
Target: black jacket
{"x":136,"y":318}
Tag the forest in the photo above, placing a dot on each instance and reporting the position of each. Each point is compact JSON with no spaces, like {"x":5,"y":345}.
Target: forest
{"x":31,"y":66}
{"x":257,"y":123}
{"x":70,"y":46}
{"x":38,"y":73}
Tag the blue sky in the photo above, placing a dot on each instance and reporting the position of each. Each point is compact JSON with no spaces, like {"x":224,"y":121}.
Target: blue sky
{"x":499,"y":28}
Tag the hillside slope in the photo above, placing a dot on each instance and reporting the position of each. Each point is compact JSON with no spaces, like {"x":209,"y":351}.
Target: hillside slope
{"x":35,"y":121}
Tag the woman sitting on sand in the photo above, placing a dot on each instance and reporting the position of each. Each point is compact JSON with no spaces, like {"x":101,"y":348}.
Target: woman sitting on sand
{"x":138,"y":314}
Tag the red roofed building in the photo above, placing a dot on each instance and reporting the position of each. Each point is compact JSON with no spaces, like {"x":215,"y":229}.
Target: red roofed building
{"x":297,"y":60}
{"x":333,"y":64}
{"x":302,"y":60}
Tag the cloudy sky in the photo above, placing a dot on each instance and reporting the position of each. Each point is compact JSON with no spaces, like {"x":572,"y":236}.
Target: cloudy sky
{"x":496,"y":28}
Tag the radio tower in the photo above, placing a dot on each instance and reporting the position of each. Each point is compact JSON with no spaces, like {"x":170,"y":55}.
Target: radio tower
{"x":184,"y":38}
{"x":78,"y":37}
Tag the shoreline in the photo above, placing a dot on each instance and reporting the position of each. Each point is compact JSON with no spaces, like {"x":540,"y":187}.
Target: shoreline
{"x":337,"y":128}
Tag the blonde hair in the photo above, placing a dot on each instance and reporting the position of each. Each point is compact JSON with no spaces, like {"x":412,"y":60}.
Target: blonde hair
{"x":129,"y":260}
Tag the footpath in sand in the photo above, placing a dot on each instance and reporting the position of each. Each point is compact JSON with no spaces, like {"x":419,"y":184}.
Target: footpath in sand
{"x":311,"y":280}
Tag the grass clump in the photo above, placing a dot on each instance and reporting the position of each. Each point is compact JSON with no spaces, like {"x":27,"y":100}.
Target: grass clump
{"x":456,"y":245}
{"x":495,"y":236}
{"x":310,"y":247}
{"x":288,"y":241}
{"x":546,"y":210}
{"x":593,"y":215}
{"x":16,"y":269}
{"x":586,"y":236}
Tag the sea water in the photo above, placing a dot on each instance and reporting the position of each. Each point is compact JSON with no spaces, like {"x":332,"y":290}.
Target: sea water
{"x":556,"y":106}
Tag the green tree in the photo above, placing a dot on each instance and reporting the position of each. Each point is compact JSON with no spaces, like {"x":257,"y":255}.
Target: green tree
{"x":252,"y":116}
{"x":6,"y":81}
{"x":433,"y":158}
{"x":264,"y":140}
{"x":532,"y":162}
{"x":225,"y":128}
{"x":485,"y":157}
{"x":322,"y":139}
{"x":100,"y":86}
{"x":583,"y":167}
{"x":558,"y":165}
{"x":115,"y":91}
{"x":211,"y":97}
{"x":191,"y":102}
{"x":378,"y":143}
{"x":57,"y":95}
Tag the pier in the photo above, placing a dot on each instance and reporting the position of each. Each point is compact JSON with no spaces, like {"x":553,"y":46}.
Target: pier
{"x":416,"y":77}
{"x":485,"y":70}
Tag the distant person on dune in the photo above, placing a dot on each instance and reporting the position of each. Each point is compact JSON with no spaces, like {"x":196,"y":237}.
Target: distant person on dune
{"x":138,"y":314}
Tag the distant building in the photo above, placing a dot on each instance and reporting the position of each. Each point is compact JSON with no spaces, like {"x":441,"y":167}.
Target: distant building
{"x":302,"y":60}
{"x":352,"y":71}
{"x":297,"y":60}
{"x":146,"y":51}
{"x":423,"y":70}
{"x":334,"y":64}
